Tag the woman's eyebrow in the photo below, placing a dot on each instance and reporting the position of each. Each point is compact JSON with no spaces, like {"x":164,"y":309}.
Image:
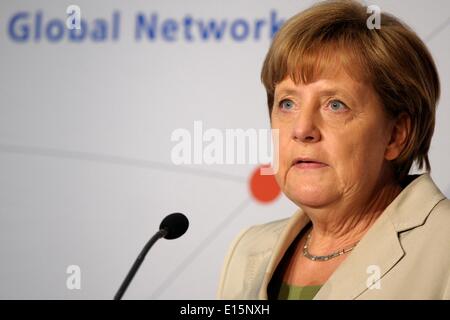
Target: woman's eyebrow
{"x":333,"y":91}
{"x":323,"y":92}
{"x":285,"y":91}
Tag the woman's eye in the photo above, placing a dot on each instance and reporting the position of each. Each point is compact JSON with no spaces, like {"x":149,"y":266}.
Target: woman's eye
{"x":286,"y":104}
{"x":337,"y":105}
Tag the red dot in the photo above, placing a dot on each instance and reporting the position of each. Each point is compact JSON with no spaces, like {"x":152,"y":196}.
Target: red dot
{"x":264,"y":188}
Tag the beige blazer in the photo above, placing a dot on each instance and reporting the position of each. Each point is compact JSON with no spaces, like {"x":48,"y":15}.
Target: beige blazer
{"x":404,"y":255}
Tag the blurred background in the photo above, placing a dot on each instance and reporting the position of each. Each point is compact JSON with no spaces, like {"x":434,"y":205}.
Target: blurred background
{"x":86,"y":120}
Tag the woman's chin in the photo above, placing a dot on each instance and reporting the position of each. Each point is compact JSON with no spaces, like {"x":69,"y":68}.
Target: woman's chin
{"x":311,"y":195}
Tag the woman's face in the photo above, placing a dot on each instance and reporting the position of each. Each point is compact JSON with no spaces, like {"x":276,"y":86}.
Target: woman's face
{"x":333,"y":135}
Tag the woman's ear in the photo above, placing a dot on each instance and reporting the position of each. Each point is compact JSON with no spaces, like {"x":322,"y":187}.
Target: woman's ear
{"x":399,"y":136}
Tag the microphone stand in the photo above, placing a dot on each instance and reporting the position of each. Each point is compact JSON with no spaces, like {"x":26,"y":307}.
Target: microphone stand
{"x":158,"y":235}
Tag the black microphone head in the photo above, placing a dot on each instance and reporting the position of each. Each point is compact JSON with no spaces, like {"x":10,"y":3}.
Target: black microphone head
{"x":176,"y":225}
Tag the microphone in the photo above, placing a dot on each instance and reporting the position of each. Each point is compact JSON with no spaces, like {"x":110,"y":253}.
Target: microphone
{"x":173,"y":226}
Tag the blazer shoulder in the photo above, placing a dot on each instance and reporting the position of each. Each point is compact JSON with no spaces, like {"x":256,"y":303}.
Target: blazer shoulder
{"x":259,"y":237}
{"x":439,"y":226}
{"x":439,"y":217}
{"x":434,"y":229}
{"x":252,"y":241}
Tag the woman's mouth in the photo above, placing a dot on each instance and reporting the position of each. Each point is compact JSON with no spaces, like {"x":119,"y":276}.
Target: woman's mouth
{"x":308,"y":164}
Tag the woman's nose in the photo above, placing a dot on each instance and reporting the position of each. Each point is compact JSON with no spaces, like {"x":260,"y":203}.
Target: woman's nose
{"x":305,"y":127}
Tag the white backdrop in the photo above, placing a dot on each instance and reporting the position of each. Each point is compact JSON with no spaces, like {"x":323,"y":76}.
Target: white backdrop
{"x":85,"y":168}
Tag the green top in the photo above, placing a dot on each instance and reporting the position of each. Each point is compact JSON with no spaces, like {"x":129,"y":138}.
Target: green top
{"x":290,"y":292}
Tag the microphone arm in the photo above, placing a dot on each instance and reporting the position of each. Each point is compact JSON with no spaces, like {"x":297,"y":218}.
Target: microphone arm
{"x":126,"y":282}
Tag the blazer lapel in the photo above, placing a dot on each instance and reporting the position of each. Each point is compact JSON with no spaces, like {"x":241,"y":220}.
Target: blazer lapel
{"x":380,"y":248}
{"x":293,"y":227}
{"x":373,"y":257}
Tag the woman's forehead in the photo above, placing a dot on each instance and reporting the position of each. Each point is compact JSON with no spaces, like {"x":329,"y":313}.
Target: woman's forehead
{"x":327,"y":60}
{"x":327,"y":83}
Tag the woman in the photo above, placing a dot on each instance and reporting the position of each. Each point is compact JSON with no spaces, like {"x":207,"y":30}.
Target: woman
{"x":355,"y":109}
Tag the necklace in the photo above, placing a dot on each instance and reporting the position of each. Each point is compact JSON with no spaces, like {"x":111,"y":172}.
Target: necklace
{"x":326,"y":257}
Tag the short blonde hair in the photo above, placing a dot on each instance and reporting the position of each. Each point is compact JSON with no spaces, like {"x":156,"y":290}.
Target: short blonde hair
{"x":392,"y":59}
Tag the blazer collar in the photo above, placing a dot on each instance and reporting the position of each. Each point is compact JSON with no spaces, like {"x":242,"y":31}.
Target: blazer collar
{"x":380,"y":246}
{"x":294,"y":225}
